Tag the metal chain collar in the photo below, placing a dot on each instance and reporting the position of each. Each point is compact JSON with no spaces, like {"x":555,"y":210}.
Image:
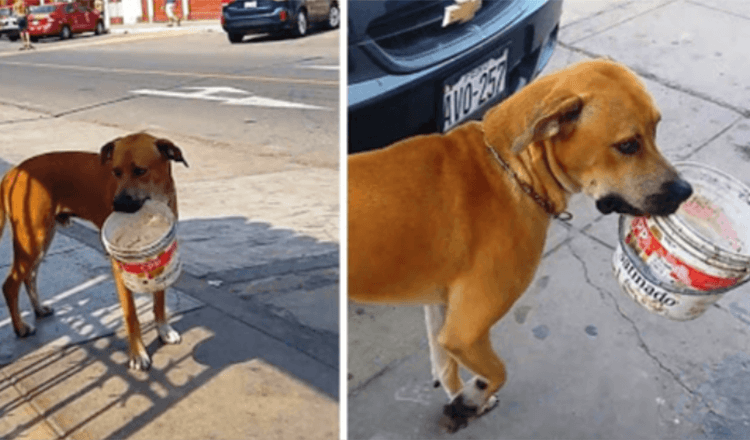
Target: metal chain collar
{"x":548,"y":207}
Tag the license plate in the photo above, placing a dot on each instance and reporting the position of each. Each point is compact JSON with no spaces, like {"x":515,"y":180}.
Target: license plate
{"x":35,"y":22}
{"x":250,"y":5}
{"x":473,"y":89}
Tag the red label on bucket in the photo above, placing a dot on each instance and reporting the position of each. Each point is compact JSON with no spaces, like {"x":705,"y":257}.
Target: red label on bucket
{"x":679,"y":271}
{"x":149,"y":266}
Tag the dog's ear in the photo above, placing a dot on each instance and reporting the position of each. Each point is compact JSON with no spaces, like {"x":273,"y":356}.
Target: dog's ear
{"x":524,"y":118}
{"x":170,"y":150}
{"x":105,"y":154}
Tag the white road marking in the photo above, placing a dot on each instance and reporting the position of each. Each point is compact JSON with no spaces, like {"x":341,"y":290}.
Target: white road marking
{"x":332,"y":67}
{"x":219,"y":94}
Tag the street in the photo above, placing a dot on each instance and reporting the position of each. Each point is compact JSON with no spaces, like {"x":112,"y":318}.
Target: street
{"x":257,"y":303}
{"x":583,"y":359}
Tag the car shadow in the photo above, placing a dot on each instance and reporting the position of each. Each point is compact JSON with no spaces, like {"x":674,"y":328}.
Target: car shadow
{"x":269,"y":37}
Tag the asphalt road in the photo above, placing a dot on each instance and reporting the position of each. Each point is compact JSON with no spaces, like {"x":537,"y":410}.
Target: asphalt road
{"x":277,"y":95}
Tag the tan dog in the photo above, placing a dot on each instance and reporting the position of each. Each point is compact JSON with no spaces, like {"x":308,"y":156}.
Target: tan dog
{"x":50,"y":188}
{"x":458,"y":221}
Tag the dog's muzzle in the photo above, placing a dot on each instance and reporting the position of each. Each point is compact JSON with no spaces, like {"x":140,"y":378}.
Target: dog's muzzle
{"x":663,"y":203}
{"x":124,"y":202}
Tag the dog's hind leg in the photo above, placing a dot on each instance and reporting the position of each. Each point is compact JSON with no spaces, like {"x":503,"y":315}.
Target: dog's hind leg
{"x":31,"y":238}
{"x":30,"y":281}
{"x":444,"y":367}
{"x":167,"y":334}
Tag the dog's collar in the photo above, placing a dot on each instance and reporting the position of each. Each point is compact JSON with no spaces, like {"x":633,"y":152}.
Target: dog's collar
{"x":546,"y":205}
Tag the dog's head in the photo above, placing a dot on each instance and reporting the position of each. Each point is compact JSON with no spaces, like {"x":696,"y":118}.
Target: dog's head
{"x":141,"y":168}
{"x":595,"y":125}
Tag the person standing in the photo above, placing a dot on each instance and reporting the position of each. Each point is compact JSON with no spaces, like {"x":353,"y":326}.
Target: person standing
{"x":19,"y":8}
{"x":169,"y":9}
{"x":99,"y":6}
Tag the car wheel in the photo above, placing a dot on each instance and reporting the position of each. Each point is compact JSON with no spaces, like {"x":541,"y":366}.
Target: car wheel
{"x":34,"y":39}
{"x":14,"y":37}
{"x":334,"y":16}
{"x":99,"y":28}
{"x":65,"y":33}
{"x":300,"y":28}
{"x":235,"y":37}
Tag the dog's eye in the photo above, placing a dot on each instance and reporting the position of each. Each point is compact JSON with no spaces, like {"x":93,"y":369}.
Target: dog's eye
{"x":628,"y":147}
{"x":117,"y":173}
{"x":139,"y":171}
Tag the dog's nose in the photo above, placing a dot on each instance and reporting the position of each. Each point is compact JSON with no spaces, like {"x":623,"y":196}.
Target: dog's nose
{"x":126,"y":203}
{"x":679,"y":190}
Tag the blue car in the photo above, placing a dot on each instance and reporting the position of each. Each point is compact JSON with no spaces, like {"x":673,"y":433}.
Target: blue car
{"x":242,"y":17}
{"x":418,"y":67}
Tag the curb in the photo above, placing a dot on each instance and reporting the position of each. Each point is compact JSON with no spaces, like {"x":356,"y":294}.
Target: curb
{"x":126,"y":30}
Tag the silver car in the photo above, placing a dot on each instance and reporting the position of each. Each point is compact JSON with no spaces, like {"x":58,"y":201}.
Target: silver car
{"x":9,"y":23}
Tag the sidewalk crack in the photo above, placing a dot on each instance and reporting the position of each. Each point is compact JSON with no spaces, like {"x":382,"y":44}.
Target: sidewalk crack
{"x":701,"y":399}
{"x":641,"y":342}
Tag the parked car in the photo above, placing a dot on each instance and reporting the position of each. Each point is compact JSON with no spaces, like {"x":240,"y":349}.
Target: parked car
{"x":242,"y":17}
{"x":418,"y":67}
{"x":9,"y":23}
{"x":63,"y":20}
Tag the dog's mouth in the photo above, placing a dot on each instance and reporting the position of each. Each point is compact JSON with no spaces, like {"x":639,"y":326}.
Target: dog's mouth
{"x":127,"y":203}
{"x":663,"y":203}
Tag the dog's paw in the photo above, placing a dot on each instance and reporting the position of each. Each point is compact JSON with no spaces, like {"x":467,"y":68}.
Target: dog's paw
{"x":140,"y":362}
{"x":25,"y":330}
{"x":456,"y":414}
{"x":168,"y":335}
{"x":44,"y":311}
{"x":489,"y":405}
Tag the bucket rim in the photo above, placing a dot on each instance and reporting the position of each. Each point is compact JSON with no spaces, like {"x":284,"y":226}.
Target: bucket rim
{"x":144,"y":251}
{"x":645,"y":271}
{"x":720,"y":253}
{"x":147,"y":248}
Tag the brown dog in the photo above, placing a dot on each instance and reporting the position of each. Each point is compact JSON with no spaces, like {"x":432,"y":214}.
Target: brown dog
{"x":458,"y":221}
{"x":50,"y":188}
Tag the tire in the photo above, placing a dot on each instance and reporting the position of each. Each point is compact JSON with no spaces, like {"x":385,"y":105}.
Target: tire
{"x":34,"y":39}
{"x":235,"y":37}
{"x":334,"y":16}
{"x":14,"y":37}
{"x":300,"y":24}
{"x":65,"y":33}
{"x":99,"y":28}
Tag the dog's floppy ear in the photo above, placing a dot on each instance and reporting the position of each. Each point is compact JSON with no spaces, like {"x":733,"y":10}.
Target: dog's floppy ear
{"x":170,"y":150}
{"x":519,"y":121}
{"x":105,"y":154}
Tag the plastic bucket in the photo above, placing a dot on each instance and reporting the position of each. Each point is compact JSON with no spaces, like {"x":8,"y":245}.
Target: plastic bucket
{"x":144,"y":245}
{"x":677,"y":266}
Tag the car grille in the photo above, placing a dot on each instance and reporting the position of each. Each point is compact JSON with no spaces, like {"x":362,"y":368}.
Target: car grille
{"x":411,"y":34}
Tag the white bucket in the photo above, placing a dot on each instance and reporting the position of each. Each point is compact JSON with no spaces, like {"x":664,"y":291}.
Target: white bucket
{"x":144,"y":245}
{"x":677,"y":266}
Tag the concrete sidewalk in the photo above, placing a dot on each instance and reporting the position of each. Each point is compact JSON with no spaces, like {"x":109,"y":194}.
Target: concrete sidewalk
{"x":583,"y":359}
{"x":257,"y":307}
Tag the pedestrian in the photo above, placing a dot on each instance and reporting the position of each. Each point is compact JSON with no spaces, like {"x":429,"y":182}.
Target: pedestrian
{"x":99,"y":6}
{"x":169,"y":9}
{"x":19,"y":9}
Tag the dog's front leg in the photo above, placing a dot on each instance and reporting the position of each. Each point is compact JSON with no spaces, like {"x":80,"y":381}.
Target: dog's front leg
{"x":167,"y":334}
{"x":139,"y":358}
{"x":444,"y":367}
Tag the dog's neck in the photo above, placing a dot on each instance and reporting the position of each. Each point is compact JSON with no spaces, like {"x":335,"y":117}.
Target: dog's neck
{"x":537,"y":168}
